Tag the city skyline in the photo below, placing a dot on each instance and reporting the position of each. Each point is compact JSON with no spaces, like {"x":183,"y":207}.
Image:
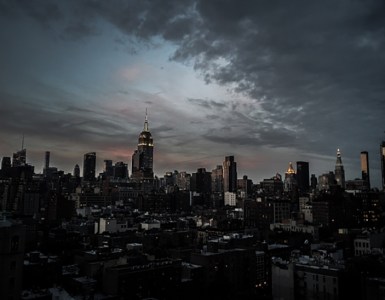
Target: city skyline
{"x":219,"y":79}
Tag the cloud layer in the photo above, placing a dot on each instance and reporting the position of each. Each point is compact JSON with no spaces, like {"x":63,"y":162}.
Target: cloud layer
{"x":304,"y":77}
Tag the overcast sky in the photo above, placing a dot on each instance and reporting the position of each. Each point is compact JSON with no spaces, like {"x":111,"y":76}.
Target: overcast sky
{"x":267,"y":81}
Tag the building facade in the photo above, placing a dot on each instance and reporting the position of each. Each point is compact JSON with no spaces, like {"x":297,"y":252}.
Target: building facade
{"x":89,"y":166}
{"x":12,"y":240}
{"x":364,"y":158}
{"x":229,"y":175}
{"x":303,"y":176}
{"x":382,"y":153}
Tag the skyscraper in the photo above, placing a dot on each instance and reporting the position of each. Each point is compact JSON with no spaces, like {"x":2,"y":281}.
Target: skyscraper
{"x":382,"y":153}
{"x":108,"y":168}
{"x":46,"y":163}
{"x":365,"y":167}
{"x":303,"y":176}
{"x":89,"y":166}
{"x":76,"y":171}
{"x":339,"y":170}
{"x":47,"y":157}
{"x":5,"y":163}
{"x":290,"y":181}
{"x":19,"y":158}
{"x":201,"y":181}
{"x":217,"y":179}
{"x":120,"y":170}
{"x":229,"y":174}
{"x":142,"y":159}
{"x":313,"y":182}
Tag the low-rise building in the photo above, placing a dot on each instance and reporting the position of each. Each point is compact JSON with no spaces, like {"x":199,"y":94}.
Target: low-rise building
{"x":369,"y":242}
{"x":293,"y":226}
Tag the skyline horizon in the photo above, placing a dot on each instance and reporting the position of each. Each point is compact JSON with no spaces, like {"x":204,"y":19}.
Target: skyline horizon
{"x":100,"y":161}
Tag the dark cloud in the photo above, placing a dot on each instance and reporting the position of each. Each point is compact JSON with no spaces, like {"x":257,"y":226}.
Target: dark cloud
{"x":45,"y":12}
{"x":210,"y":104}
{"x":65,"y":124}
{"x":79,"y":30}
{"x":312,"y":73}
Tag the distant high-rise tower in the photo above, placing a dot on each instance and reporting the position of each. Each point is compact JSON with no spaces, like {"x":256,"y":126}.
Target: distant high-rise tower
{"x":46,"y":163}
{"x":303,"y":176}
{"x":120,"y":170}
{"x":339,"y":171}
{"x":19,"y":158}
{"x":290,"y":181}
{"x":5,"y":167}
{"x":142,"y":159}
{"x":365,"y":167}
{"x":5,"y":163}
{"x":108,"y":168}
{"x":89,"y":166}
{"x":201,"y":181}
{"x":313,"y":182}
{"x":217,"y":179}
{"x":47,"y":156}
{"x":76,"y":171}
{"x":382,"y":152}
{"x":229,"y":174}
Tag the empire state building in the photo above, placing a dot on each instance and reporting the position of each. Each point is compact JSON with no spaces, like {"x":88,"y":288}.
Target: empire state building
{"x":142,"y":159}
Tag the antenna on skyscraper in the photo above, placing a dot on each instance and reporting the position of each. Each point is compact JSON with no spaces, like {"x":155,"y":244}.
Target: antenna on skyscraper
{"x":22,"y":142}
{"x":146,"y":122}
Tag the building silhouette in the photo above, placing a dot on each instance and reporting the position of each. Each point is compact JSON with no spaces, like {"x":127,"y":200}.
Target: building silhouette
{"x":142,"y":159}
{"x":313,"y":182}
{"x":365,"y":168}
{"x":229,"y":174}
{"x":217,"y":179}
{"x":382,"y":153}
{"x":201,"y":181}
{"x":47,"y":158}
{"x":19,"y":158}
{"x":76,"y":171}
{"x":12,"y":240}
{"x":339,"y":171}
{"x":120,"y":170}
{"x":244,"y":187}
{"x":108,"y":168}
{"x":303,"y":176}
{"x":5,"y":166}
{"x":89,"y":166}
{"x":183,"y":180}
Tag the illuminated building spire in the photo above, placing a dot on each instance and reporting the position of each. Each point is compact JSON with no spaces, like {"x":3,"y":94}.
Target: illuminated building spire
{"x":339,"y":160}
{"x":290,"y":170}
{"x":339,"y":170}
{"x":146,"y":122}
